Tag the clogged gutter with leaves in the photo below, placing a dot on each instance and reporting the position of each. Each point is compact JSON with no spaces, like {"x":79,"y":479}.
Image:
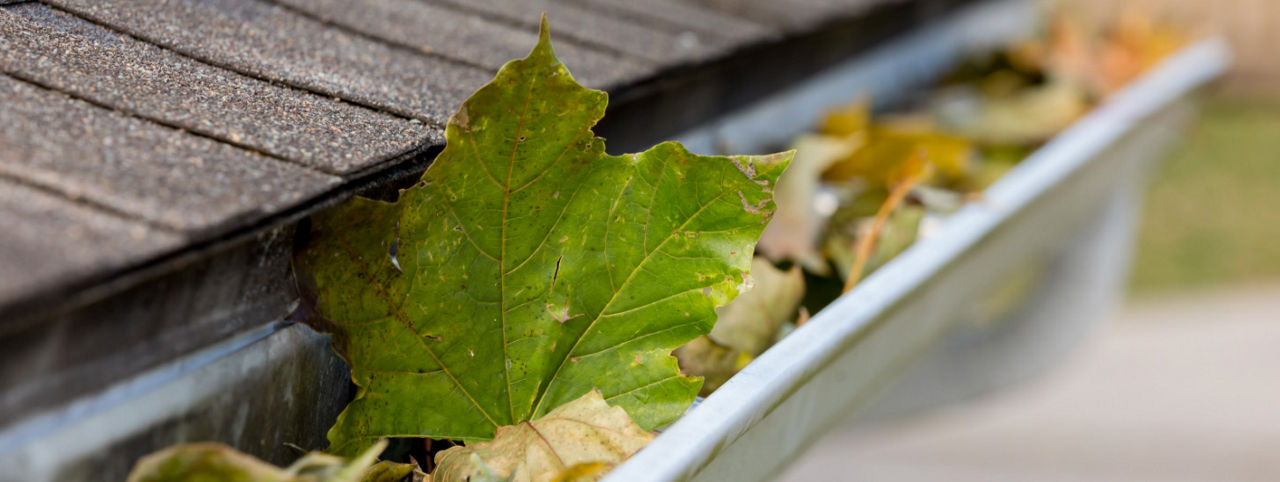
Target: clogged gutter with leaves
{"x":862,"y":190}
{"x":525,"y":297}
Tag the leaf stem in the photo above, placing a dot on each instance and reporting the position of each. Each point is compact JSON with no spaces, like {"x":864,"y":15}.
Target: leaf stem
{"x":868,"y":241}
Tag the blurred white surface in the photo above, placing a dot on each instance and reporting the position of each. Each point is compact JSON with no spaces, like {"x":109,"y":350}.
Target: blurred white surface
{"x":1184,"y":389}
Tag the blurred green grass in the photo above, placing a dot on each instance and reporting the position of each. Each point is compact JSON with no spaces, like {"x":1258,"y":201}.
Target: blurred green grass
{"x":1213,"y":210}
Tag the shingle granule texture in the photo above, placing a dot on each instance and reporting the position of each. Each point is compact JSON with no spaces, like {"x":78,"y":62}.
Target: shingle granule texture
{"x":581,"y":25}
{"x":679,"y":18}
{"x":788,"y":15}
{"x":164,"y":176}
{"x":275,"y":43}
{"x":61,"y":51}
{"x":48,"y":239}
{"x":431,"y":28}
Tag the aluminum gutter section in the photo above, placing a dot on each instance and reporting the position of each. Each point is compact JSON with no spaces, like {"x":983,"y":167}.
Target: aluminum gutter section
{"x":796,"y":391}
{"x":885,"y":74}
{"x":256,"y":391}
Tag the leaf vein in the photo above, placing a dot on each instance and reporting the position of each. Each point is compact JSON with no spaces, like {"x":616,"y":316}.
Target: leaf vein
{"x":402,"y":372}
{"x":608,"y":270}
{"x":479,"y":160}
{"x":555,"y":376}
{"x":648,"y":220}
{"x":465,"y":232}
{"x":634,"y":339}
{"x":651,"y":303}
{"x":554,"y":162}
{"x":400,"y":316}
{"x":642,"y":387}
{"x":502,"y":237}
{"x":550,"y":231}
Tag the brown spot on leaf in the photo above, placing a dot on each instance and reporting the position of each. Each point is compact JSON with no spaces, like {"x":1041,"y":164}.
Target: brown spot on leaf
{"x":747,"y":206}
{"x":749,"y":170}
{"x":462,"y":118}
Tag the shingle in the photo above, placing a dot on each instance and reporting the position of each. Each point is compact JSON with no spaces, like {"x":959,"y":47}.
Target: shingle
{"x":275,"y":43}
{"x":426,"y":27}
{"x":676,"y":17}
{"x":166,"y":176}
{"x":588,"y":27}
{"x":789,"y":15}
{"x":60,"y":50}
{"x":48,"y":239}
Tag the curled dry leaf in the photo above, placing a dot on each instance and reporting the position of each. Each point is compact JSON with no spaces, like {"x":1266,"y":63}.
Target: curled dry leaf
{"x":580,"y":440}
{"x":215,"y":462}
{"x":1026,"y":117}
{"x":747,"y":327}
{"x":887,"y":157}
{"x":895,"y":236}
{"x":750,"y":322}
{"x":795,"y":230}
{"x":1135,"y":44}
{"x":847,"y":120}
{"x":1099,"y":59}
{"x":867,"y":240}
{"x":705,"y":358}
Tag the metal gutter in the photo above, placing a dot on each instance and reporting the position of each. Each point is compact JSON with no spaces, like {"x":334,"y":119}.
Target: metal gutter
{"x":256,"y":391}
{"x":38,"y":425}
{"x":885,"y":74}
{"x":758,"y":421}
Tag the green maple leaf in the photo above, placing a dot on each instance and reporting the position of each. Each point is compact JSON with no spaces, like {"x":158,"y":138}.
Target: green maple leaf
{"x":529,"y":267}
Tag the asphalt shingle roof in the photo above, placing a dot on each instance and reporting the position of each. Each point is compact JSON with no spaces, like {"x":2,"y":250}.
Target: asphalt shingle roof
{"x":275,"y":43}
{"x":86,"y":60}
{"x":145,"y":129}
{"x":164,"y":176}
{"x":488,"y":42}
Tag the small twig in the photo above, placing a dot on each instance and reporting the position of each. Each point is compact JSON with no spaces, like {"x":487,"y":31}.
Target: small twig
{"x":867,"y":241}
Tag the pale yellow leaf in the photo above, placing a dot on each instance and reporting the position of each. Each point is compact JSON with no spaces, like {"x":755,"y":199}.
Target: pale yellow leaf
{"x":562,"y":445}
{"x":216,"y":462}
{"x":798,"y":223}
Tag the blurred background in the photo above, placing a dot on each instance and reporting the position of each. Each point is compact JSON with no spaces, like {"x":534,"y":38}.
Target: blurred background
{"x":1184,"y":382}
